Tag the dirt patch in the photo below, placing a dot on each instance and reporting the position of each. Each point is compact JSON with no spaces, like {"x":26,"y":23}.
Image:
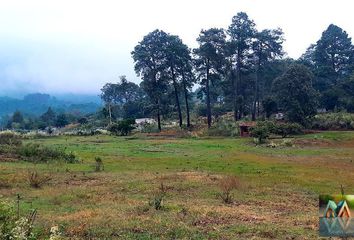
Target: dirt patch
{"x":170,"y":133}
{"x":313,"y":143}
{"x":323,"y":143}
{"x":80,"y":216}
{"x":8,"y":157}
{"x":75,"y":180}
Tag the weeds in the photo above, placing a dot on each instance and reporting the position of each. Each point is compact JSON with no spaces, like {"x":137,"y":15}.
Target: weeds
{"x":227,"y":185}
{"x":35,"y":180}
{"x":10,"y":138}
{"x":38,"y":153}
{"x":158,"y":200}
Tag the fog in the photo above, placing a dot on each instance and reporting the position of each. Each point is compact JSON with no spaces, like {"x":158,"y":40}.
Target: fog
{"x":77,"y":46}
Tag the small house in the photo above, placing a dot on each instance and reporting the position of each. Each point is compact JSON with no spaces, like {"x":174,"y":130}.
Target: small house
{"x":279,"y":116}
{"x":245,"y":128}
{"x":141,"y":121}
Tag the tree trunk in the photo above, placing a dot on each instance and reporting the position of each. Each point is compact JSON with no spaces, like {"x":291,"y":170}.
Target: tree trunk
{"x":234,"y":95}
{"x":110,"y":113}
{"x":236,"y":85}
{"x":186,"y":99}
{"x":256,"y":94}
{"x":158,"y":116}
{"x":177,"y":98}
{"x":208,"y":95}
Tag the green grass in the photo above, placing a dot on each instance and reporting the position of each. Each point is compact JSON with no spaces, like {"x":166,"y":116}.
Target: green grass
{"x":113,"y":204}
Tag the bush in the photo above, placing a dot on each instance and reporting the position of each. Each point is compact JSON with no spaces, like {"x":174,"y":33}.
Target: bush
{"x":265,"y":128}
{"x":149,"y":128}
{"x":261,"y":132}
{"x":98,"y":164}
{"x":333,"y":121}
{"x":10,"y":138}
{"x":122,"y":128}
{"x":227,"y":185}
{"x":286,"y":129}
{"x":158,"y":199}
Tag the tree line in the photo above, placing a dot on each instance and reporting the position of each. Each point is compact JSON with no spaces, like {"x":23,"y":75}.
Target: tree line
{"x":45,"y":121}
{"x":239,"y":69}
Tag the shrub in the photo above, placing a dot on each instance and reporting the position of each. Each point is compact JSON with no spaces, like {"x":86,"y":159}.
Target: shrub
{"x":333,"y":121}
{"x":227,"y":185}
{"x":122,"y":128}
{"x":10,"y":138}
{"x":260,"y":132}
{"x":158,"y":200}
{"x":286,"y":129}
{"x":98,"y":164}
{"x":264,"y":128}
{"x":149,"y":128}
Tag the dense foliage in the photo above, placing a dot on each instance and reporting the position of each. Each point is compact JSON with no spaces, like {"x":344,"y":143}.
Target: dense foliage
{"x":122,"y":128}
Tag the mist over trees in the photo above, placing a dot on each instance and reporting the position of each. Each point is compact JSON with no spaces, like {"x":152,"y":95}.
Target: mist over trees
{"x":241,"y":70}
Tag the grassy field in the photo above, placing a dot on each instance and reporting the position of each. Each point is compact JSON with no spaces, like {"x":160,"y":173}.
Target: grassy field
{"x":278,"y":198}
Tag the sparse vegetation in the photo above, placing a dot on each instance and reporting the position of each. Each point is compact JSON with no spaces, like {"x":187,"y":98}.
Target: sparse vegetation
{"x":194,"y":169}
{"x":227,"y":184}
{"x":157,"y":201}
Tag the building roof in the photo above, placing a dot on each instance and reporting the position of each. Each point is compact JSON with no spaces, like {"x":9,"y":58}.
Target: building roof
{"x":247,"y":124}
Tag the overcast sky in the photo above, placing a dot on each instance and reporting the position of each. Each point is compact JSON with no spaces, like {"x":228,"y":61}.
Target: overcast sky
{"x":78,"y":45}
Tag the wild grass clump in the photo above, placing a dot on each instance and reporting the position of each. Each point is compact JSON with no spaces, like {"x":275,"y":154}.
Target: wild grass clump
{"x":224,"y":128}
{"x":39,"y":153}
{"x":36,"y":180}
{"x":227,"y":185}
{"x":157,"y":202}
{"x":148,"y":128}
{"x":10,"y":138}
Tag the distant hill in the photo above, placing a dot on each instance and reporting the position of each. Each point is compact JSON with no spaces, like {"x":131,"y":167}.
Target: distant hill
{"x":37,"y":103}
